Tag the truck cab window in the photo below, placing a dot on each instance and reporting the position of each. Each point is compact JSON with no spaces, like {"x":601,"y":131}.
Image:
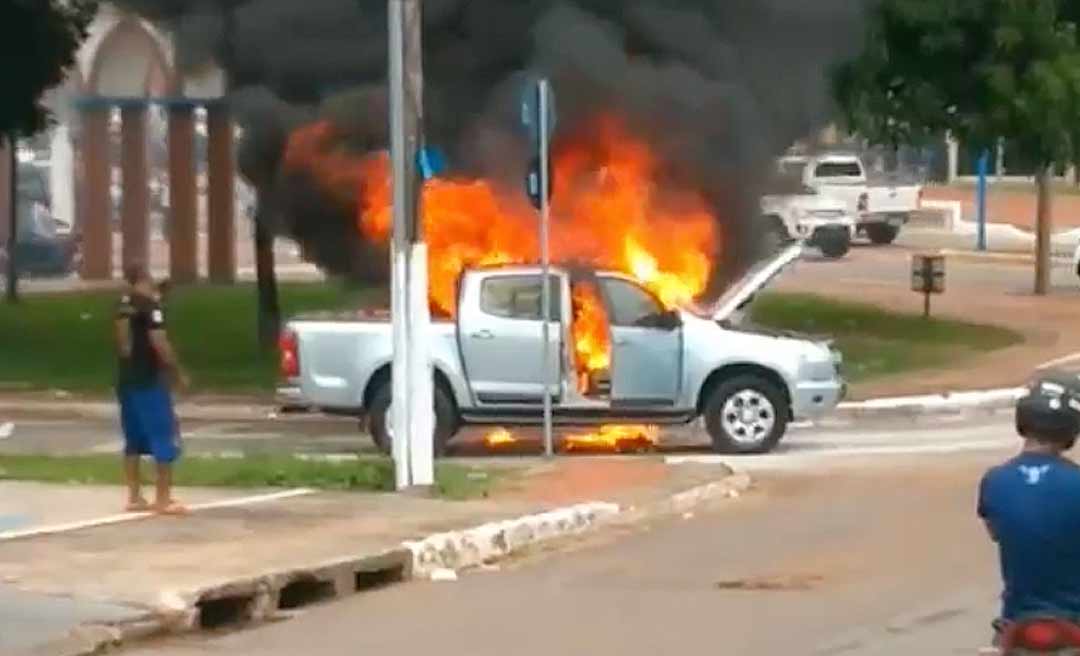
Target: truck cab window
{"x":838,"y":170}
{"x":518,"y":297}
{"x":630,"y":304}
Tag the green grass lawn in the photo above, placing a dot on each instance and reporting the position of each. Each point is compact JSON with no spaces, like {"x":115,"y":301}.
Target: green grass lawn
{"x":456,"y":482}
{"x":876,"y":342}
{"x":63,"y":341}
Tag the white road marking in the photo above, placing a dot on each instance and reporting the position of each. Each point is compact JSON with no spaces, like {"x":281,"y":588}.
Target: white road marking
{"x":130,"y":517}
{"x":822,"y":453}
{"x":1060,"y":361}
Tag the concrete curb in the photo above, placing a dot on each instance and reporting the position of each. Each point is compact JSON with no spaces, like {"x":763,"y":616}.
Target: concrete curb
{"x":873,"y":408}
{"x":977,"y":402}
{"x":277,"y":595}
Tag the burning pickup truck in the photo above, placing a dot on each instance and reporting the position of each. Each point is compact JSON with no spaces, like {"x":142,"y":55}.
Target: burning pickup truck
{"x":620,"y":354}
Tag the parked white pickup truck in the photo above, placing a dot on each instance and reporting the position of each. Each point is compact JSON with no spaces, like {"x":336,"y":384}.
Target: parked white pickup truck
{"x":823,"y":222}
{"x":881,"y":210}
{"x":668,"y":366}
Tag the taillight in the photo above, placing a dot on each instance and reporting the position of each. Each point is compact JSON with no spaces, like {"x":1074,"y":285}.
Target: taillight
{"x":920,"y":199}
{"x":289,"y":349}
{"x":864,"y":202}
{"x":1042,"y":636}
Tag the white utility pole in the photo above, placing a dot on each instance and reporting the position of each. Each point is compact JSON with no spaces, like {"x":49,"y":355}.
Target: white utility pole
{"x":412,"y":421}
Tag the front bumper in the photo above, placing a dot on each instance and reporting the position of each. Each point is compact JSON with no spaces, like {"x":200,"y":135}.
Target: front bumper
{"x":814,"y":399}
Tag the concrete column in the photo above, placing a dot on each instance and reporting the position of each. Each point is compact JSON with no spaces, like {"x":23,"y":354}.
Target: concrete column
{"x":5,"y":192}
{"x":221,"y":195}
{"x":183,"y":218}
{"x":135,"y":198}
{"x":95,"y":201}
{"x":62,"y":175}
{"x":954,"y":159}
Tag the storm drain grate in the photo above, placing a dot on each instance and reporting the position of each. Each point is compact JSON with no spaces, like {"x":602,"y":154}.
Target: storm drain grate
{"x":379,"y":578}
{"x":304,"y":592}
{"x":225,"y":611}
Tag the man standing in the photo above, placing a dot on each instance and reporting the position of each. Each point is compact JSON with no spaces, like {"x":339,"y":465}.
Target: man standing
{"x":1031,"y":506}
{"x":147,"y":367}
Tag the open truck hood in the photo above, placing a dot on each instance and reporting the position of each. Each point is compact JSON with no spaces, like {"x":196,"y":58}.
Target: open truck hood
{"x":756,"y":279}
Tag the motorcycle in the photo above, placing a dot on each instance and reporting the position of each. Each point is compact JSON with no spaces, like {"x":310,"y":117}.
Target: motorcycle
{"x":1041,"y":636}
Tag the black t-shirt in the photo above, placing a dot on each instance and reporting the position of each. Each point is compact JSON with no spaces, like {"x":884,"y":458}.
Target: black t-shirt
{"x":143,"y":367}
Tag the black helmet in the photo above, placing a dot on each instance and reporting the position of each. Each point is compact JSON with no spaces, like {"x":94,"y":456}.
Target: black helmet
{"x":1050,"y":410}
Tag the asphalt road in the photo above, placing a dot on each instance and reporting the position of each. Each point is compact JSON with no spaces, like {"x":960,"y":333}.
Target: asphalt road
{"x":853,"y":542}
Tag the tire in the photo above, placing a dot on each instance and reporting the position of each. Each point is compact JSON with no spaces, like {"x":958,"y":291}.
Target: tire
{"x":732,"y":434}
{"x":446,"y":419}
{"x":882,"y":234}
{"x":836,"y":244}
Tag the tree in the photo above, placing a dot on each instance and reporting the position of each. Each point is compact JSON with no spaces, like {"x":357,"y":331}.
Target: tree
{"x":39,"y":40}
{"x":982,"y":70}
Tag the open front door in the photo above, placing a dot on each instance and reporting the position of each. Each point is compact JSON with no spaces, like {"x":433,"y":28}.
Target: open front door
{"x":646,"y":345}
{"x":501,"y":336}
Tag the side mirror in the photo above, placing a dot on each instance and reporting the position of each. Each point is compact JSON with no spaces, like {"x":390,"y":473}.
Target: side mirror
{"x":670,"y":320}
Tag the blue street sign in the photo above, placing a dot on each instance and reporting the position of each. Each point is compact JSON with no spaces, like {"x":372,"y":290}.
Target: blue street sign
{"x":431,"y":162}
{"x":530,"y":111}
{"x":532,"y":183}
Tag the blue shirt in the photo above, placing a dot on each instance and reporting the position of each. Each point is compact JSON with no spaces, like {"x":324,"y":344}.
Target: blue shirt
{"x":1032,"y":505}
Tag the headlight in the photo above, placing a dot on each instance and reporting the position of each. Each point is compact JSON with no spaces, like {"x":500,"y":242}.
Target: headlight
{"x":818,"y":367}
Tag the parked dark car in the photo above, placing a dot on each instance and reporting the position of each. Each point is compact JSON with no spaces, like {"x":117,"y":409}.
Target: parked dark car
{"x":42,"y":248}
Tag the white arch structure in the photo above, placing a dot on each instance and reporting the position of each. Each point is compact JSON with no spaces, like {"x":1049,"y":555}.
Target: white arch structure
{"x":129,"y":64}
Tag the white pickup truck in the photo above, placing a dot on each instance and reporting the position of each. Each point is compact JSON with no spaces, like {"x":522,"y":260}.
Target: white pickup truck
{"x":823,"y":222}
{"x":667,"y":366}
{"x":881,"y":210}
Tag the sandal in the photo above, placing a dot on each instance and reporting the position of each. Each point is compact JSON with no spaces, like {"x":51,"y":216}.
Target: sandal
{"x":173,"y":508}
{"x":137,"y":506}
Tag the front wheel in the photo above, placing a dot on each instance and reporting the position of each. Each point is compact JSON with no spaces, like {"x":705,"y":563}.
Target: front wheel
{"x":882,"y":233}
{"x":746,"y":414}
{"x":446,"y":420}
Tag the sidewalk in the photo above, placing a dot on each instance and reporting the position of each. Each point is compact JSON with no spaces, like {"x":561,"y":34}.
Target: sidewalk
{"x":254,"y":558}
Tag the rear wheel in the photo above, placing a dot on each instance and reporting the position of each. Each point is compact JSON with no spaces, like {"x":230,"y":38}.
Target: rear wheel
{"x":746,"y":414}
{"x":446,"y":419}
{"x":882,"y":233}
{"x":835,"y":243}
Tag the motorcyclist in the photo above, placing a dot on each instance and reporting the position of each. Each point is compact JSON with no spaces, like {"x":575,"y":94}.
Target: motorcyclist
{"x":1031,"y":506}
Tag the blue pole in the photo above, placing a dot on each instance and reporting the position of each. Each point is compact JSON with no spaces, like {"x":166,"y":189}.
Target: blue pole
{"x":982,"y":165}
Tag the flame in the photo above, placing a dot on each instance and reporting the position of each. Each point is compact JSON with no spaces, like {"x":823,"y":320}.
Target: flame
{"x":499,"y":437}
{"x":592,"y":341}
{"x":614,"y":438}
{"x":611,"y":208}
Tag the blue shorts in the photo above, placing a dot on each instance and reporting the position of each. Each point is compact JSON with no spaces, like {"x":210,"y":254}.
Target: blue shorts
{"x":149,"y":423}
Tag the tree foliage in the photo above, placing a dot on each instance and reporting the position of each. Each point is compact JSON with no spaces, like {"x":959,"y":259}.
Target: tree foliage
{"x":980,"y":69}
{"x":39,"y":40}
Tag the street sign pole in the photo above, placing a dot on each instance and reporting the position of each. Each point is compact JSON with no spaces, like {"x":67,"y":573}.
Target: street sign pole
{"x":982,"y":165}
{"x":542,"y":90}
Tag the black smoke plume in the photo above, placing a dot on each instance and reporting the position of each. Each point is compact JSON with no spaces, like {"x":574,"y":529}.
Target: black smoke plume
{"x":718,"y":87}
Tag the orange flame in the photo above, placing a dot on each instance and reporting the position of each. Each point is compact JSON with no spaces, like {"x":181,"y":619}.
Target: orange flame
{"x":499,"y":437}
{"x":614,"y":438}
{"x":592,"y":341}
{"x":610,"y":209}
